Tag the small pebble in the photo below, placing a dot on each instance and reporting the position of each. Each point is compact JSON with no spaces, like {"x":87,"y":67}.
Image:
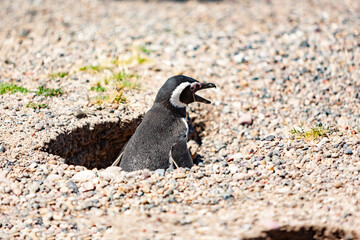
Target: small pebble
{"x":245,"y":119}
{"x":53,"y":177}
{"x":39,"y":126}
{"x":348,"y":151}
{"x":71,"y":185}
{"x":161,"y":172}
{"x":268,"y":138}
{"x":87,"y":186}
{"x":305,"y":44}
{"x":83,"y":176}
{"x":80,"y":114}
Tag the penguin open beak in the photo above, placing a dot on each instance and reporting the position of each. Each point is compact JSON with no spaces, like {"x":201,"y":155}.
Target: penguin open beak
{"x":196,"y":86}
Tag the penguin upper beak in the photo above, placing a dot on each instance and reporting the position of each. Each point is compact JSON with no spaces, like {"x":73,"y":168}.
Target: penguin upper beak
{"x":207,"y":85}
{"x":198,"y":86}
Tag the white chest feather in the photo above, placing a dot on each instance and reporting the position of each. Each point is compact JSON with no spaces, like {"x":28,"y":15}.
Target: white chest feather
{"x":171,"y":160}
{"x":187,"y":127}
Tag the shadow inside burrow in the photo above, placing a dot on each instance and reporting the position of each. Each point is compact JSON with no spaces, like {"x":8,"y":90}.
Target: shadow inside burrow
{"x":94,"y":145}
{"x":97,"y":145}
{"x":180,"y":1}
{"x":304,"y":233}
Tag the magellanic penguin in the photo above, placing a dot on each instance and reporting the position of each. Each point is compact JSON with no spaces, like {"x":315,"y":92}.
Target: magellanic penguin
{"x":160,"y":140}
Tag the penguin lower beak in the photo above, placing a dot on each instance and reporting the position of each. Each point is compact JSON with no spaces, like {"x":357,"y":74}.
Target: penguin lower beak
{"x":203,"y":85}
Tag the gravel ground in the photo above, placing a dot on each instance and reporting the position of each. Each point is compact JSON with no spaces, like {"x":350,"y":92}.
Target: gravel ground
{"x":279,"y":65}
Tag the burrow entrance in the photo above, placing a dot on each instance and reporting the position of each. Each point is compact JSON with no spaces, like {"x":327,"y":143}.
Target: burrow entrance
{"x":305,"y":233}
{"x":97,"y":145}
{"x":94,"y":145}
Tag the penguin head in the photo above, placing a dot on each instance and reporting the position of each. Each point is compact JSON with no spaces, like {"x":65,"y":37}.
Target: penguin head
{"x":180,"y":90}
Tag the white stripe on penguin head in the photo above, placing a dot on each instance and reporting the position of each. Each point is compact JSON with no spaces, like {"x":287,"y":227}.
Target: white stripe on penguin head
{"x":175,"y":96}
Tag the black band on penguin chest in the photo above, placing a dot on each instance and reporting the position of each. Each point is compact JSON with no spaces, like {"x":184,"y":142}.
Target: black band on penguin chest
{"x":178,"y":112}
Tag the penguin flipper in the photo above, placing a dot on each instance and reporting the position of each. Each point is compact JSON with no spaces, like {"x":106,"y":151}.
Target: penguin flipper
{"x":181,"y":155}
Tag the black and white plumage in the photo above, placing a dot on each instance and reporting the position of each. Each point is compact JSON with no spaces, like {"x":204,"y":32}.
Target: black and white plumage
{"x":160,"y":140}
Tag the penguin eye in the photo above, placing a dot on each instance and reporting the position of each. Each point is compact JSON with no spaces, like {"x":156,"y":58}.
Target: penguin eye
{"x":195,"y":86}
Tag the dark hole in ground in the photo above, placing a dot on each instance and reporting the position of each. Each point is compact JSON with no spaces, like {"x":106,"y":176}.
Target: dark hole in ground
{"x":196,"y":128}
{"x":93,"y":145}
{"x":98,"y":145}
{"x":304,"y":233}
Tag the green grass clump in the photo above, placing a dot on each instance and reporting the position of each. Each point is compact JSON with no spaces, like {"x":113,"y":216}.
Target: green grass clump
{"x":59,"y":75}
{"x":115,"y":61}
{"x":115,"y":97}
{"x":119,"y":98}
{"x":135,"y":58}
{"x":98,"y":88}
{"x":11,"y":88}
{"x":145,"y":50}
{"x":92,"y":68}
{"x":115,"y":87}
{"x":122,"y":80}
{"x":49,"y":92}
{"x":120,"y":76}
{"x":100,"y":99}
{"x":42,"y":91}
{"x":315,"y":132}
{"x":36,"y":105}
{"x":140,"y":59}
{"x":126,"y":84}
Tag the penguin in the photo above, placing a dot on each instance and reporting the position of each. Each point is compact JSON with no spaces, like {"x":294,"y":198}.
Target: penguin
{"x":159,"y":142}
